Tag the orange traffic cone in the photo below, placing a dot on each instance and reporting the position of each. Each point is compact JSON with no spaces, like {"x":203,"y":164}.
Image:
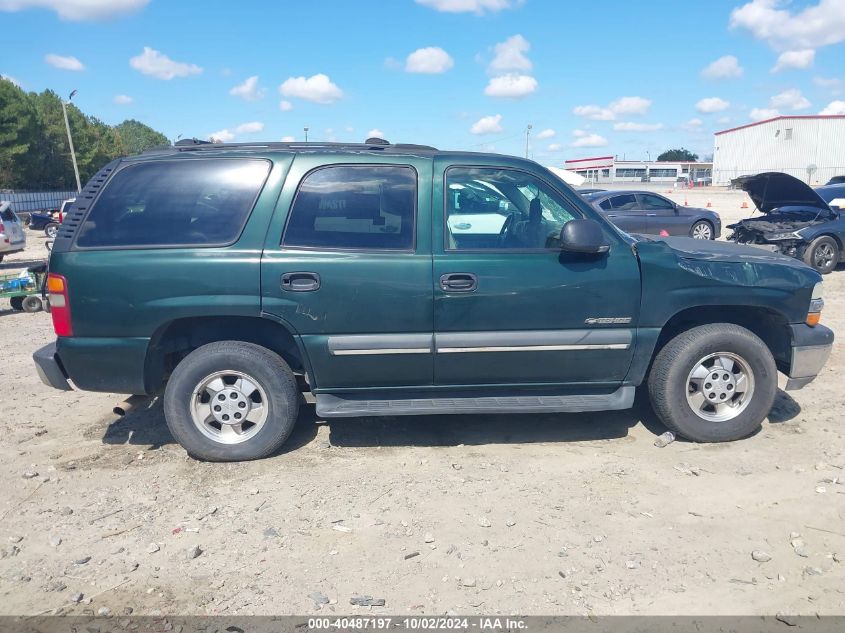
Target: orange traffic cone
{"x":686,"y":204}
{"x":709,"y":205}
{"x":744,"y":205}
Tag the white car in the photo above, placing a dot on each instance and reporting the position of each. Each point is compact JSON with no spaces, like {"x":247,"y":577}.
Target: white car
{"x":12,"y":237}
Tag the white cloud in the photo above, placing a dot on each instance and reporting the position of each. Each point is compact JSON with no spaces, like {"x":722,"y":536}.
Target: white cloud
{"x":726,"y":67}
{"x":623,"y":105}
{"x":221,"y":136}
{"x":510,"y":55}
{"x":249,"y":128}
{"x":123,"y":99}
{"x":819,"y":24}
{"x":78,"y":10}
{"x":710,"y":105}
{"x":834,"y":107}
{"x":790,"y":100}
{"x":285,"y":106}
{"x":723,"y":120}
{"x":288,"y":139}
{"x":587,"y":139}
{"x":64,"y":63}
{"x":758,"y":114}
{"x":488,"y":125}
{"x":467,"y":6}
{"x":693,"y":125}
{"x":248,"y":90}
{"x":11,"y":79}
{"x":835,"y":86}
{"x":375,"y":132}
{"x":155,"y":64}
{"x":637,"y":127}
{"x":431,"y":60}
{"x":511,"y":86}
{"x":547,"y":133}
{"x":795,"y":59}
{"x":554,"y":147}
{"x":317,"y":88}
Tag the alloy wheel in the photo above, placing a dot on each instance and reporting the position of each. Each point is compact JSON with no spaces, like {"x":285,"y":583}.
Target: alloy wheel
{"x":229,"y":407}
{"x":720,"y":386}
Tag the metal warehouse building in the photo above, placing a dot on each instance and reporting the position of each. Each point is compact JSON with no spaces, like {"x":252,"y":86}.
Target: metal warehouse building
{"x":808,"y":147}
{"x":606,"y":169}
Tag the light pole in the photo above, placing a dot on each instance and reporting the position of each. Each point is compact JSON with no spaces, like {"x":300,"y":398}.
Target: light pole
{"x":70,"y":142}
{"x":306,"y":134}
{"x":527,"y":137}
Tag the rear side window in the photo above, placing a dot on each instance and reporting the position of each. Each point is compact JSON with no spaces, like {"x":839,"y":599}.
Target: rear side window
{"x":357,"y":207}
{"x":8,"y":216}
{"x":202,"y":202}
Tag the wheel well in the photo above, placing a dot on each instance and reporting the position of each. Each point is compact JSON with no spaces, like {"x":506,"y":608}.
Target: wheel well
{"x":835,"y":238}
{"x":769,"y":325}
{"x":176,"y":339}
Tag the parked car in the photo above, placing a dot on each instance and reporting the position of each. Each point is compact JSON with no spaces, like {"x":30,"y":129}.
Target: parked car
{"x":587,"y":190}
{"x":797,"y":221}
{"x":49,"y":221}
{"x":12,"y":236}
{"x":231,"y":274}
{"x":651,"y":214}
{"x":836,"y":180}
{"x":834,"y":195}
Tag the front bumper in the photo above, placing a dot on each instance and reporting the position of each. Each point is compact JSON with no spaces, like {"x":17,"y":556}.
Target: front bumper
{"x":811,"y":347}
{"x":49,"y":368}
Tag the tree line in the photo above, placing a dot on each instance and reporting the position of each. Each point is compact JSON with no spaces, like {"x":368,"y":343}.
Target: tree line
{"x":34,"y":150}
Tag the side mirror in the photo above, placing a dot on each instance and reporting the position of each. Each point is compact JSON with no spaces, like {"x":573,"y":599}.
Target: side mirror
{"x":583,"y":236}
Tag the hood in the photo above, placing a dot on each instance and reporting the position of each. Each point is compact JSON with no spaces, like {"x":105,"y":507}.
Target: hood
{"x":773,"y":189}
{"x":711,"y":250}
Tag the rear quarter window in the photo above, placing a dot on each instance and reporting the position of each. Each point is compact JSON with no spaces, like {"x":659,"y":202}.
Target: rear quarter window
{"x":202,"y":202}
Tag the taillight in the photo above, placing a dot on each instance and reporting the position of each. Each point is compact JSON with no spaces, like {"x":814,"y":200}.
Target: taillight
{"x":59,"y":304}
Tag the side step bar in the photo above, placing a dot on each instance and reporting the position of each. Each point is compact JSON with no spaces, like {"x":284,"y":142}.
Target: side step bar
{"x":349,"y":406}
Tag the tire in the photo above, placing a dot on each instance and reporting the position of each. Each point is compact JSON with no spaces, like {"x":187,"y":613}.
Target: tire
{"x":702,"y":230}
{"x":674,"y":390}
{"x":822,"y":254}
{"x":17,"y":303}
{"x":51,"y":229}
{"x":2,"y":255}
{"x":251,"y":366}
{"x":32,"y":303}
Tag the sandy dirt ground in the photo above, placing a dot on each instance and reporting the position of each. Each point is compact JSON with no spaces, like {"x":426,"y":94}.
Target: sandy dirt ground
{"x":548,"y":514}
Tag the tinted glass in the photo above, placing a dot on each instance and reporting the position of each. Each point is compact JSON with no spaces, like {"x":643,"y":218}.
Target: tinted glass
{"x":502,"y":208}
{"x":625,"y":202}
{"x":355,"y":207}
{"x":168,"y":203}
{"x":653,"y":202}
{"x":605,"y":204}
{"x":8,"y":216}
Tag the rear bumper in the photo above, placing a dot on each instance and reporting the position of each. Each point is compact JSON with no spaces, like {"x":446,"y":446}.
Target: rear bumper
{"x":49,"y":368}
{"x":811,"y":347}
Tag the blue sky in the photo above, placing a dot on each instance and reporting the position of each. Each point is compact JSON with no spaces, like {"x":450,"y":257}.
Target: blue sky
{"x":618,"y":77}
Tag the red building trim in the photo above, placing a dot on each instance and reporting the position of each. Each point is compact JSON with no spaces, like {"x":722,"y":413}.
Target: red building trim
{"x":584,"y":160}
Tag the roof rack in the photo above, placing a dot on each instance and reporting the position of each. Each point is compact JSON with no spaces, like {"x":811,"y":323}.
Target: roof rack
{"x":194,"y":145}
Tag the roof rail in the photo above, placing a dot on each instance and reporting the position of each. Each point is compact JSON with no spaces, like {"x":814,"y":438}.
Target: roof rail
{"x":195,"y":145}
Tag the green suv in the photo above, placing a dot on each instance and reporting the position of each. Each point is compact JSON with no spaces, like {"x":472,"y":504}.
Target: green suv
{"x":402,"y":280}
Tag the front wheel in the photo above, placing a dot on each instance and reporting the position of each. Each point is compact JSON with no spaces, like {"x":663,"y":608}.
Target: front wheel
{"x":713,"y":383}
{"x":701,"y":230}
{"x":822,"y":254}
{"x":32,"y":303}
{"x":51,"y":230}
{"x":231,"y":401}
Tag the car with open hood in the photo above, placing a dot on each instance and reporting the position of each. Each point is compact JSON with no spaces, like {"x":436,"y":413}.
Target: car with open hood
{"x":796,"y":220}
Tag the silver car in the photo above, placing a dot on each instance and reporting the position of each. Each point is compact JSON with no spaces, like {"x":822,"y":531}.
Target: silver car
{"x":12,"y":237}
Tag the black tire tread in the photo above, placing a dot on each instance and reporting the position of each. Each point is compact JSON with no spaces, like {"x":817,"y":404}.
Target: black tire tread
{"x":808,"y":252}
{"x":707,"y":222}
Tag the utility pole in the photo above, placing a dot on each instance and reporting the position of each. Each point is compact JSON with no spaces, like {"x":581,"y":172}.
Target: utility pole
{"x":70,"y":142}
{"x":306,"y":134}
{"x":527,"y":139}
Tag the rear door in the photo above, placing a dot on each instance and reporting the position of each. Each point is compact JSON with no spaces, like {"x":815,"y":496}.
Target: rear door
{"x":347,"y":265}
{"x":624,"y":211}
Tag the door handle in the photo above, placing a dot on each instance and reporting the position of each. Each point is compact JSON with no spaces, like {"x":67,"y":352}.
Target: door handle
{"x":611,"y":215}
{"x":300,"y":282}
{"x":458,"y":282}
{"x":651,"y":215}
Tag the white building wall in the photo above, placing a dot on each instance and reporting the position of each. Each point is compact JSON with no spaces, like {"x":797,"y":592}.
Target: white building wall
{"x":787,"y":144}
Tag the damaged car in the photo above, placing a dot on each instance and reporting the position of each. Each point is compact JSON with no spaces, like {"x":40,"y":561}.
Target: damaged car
{"x":796,"y":221}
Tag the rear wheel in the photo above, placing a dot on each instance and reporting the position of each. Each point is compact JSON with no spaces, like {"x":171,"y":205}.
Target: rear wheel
{"x":17,"y":303}
{"x":32,"y":303}
{"x":713,"y":383}
{"x":701,"y":230}
{"x":822,"y":254}
{"x":51,"y":229}
{"x":231,"y":401}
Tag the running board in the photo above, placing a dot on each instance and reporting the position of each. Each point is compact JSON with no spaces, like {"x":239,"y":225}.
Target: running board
{"x":349,"y":406}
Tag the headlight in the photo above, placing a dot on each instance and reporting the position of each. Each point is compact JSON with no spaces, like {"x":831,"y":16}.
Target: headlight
{"x":814,"y":313}
{"x":792,"y":235}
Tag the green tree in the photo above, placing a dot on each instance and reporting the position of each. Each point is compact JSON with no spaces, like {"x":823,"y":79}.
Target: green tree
{"x":137,"y":137}
{"x":18,"y":135}
{"x":677,"y":155}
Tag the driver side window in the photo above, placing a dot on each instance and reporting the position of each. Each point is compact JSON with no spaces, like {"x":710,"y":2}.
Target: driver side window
{"x":492,"y":208}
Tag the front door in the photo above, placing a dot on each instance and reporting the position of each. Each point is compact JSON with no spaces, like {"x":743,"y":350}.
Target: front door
{"x":518,"y":311}
{"x":661,"y":215}
{"x":349,"y":270}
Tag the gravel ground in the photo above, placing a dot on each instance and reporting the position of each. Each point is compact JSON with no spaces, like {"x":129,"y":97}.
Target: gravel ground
{"x":549,"y":514}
